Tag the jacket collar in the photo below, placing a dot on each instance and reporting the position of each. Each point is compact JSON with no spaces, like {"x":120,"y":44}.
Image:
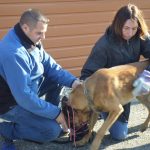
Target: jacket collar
{"x":25,"y":41}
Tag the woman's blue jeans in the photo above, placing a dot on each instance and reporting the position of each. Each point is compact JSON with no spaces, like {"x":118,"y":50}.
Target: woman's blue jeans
{"x":22,"y":124}
{"x":119,"y":129}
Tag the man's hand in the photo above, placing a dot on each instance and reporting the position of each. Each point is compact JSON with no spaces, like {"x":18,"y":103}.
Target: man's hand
{"x":76,"y":83}
{"x":142,"y":84}
{"x":61,"y":120}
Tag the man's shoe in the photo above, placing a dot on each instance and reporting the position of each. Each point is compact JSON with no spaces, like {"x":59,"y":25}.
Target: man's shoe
{"x":8,"y":144}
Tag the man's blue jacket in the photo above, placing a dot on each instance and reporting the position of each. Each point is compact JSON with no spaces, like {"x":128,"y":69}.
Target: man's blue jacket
{"x":23,"y":69}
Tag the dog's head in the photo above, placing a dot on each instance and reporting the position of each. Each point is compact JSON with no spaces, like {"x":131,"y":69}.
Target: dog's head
{"x":75,"y":119}
{"x":78,"y":101}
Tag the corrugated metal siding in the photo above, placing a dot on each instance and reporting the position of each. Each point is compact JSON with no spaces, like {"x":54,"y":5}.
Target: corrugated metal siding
{"x":74,"y":26}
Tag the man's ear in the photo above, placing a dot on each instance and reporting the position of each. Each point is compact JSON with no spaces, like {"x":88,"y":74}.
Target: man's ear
{"x":25,"y":28}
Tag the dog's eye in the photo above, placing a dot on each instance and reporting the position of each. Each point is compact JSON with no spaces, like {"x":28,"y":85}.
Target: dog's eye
{"x":76,"y":110}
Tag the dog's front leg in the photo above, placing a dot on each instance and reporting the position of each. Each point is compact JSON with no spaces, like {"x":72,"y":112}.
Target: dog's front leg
{"x":92,"y":122}
{"x":112,"y":117}
{"x":145,"y":124}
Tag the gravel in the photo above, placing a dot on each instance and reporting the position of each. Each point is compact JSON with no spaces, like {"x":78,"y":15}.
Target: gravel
{"x":135,"y":141}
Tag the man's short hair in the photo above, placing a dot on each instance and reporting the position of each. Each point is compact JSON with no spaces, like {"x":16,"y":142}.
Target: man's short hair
{"x":31,"y":17}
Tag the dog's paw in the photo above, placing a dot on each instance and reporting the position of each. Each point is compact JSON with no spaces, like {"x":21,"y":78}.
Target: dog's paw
{"x":144,"y":126}
{"x":88,"y":138}
{"x":82,"y":142}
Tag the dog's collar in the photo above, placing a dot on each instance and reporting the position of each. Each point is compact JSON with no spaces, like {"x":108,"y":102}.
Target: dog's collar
{"x":89,"y":98}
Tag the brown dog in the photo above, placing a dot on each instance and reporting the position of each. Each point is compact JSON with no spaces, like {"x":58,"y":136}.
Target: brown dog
{"x":107,"y":90}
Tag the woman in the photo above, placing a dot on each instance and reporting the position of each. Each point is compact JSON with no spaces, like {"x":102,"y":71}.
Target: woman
{"x":123,"y":42}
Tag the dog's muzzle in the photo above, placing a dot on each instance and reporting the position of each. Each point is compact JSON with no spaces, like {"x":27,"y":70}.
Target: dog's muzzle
{"x":76,"y":132}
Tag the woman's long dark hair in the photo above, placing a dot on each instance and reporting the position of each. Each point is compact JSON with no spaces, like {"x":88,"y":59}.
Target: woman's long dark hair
{"x":129,"y":12}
